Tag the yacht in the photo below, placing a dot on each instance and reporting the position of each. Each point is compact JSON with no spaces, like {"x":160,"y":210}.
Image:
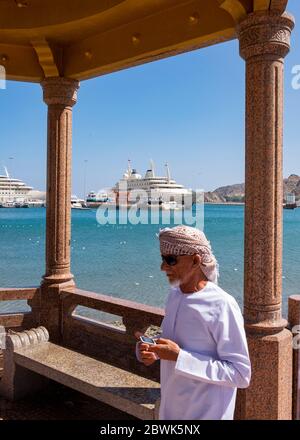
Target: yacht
{"x":12,"y":190}
{"x":77,"y":203}
{"x":163,"y":189}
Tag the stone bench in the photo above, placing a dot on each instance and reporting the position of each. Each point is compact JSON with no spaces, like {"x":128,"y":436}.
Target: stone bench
{"x":30,"y":360}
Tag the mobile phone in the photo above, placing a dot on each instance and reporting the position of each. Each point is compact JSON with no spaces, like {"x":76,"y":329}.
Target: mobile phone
{"x":147,"y":340}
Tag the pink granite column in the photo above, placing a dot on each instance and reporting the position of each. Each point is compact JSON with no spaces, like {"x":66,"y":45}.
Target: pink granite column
{"x":60,"y":95}
{"x":264,"y":42}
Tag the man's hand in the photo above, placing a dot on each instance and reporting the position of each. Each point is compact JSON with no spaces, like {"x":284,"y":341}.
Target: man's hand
{"x":165,"y":349}
{"x":147,"y":357}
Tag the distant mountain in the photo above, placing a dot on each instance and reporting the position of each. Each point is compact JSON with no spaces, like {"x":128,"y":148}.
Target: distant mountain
{"x":236,"y":193}
{"x":229,"y":193}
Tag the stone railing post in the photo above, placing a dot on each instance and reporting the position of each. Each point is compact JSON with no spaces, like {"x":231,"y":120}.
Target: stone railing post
{"x":60,"y":94}
{"x":264,"y":42}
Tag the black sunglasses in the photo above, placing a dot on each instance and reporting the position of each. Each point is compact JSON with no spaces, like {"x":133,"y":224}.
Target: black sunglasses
{"x":170,"y":260}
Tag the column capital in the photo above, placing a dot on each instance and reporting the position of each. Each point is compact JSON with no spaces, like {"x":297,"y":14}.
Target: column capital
{"x":59,"y":90}
{"x":265,"y":34}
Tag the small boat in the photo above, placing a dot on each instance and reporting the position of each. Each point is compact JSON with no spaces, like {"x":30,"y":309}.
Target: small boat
{"x":158,"y":204}
{"x":34,"y":204}
{"x":290,"y":201}
{"x":290,"y":206}
{"x":101,"y":197}
{"x":8,"y":204}
{"x":77,"y":203}
{"x":29,"y":204}
{"x":94,"y":200}
{"x":172,"y":206}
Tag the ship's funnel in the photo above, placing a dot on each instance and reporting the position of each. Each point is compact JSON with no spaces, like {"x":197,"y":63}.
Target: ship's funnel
{"x":152,"y":168}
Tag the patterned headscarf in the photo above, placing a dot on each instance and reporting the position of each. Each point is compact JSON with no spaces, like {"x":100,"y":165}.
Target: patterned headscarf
{"x":185,"y":240}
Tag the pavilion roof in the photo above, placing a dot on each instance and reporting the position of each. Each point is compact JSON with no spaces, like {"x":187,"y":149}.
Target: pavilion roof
{"x":83,"y":39}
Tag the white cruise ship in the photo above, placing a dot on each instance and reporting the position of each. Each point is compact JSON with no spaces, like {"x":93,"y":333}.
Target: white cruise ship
{"x":159,"y":189}
{"x":13,"y":190}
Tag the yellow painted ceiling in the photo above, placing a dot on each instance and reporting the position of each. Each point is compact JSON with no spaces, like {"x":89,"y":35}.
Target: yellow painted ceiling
{"x":86,"y":38}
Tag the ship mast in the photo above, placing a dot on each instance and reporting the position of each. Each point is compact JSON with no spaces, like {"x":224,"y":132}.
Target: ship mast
{"x":8,"y":176}
{"x":129,"y":168}
{"x":168,"y":172}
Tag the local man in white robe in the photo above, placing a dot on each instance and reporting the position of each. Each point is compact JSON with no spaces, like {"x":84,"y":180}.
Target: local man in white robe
{"x":203,"y":348}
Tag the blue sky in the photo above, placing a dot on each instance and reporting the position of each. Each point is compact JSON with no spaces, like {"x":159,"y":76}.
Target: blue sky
{"x":187,"y":110}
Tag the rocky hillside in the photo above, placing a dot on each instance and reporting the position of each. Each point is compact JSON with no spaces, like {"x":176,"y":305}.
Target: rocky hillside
{"x":236,"y":193}
{"x":229,"y":193}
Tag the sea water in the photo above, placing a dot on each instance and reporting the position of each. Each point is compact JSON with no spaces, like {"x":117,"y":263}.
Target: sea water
{"x":124,"y":260}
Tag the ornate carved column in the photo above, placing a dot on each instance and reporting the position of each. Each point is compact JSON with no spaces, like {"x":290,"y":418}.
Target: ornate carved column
{"x":60,"y":95}
{"x":264,"y":42}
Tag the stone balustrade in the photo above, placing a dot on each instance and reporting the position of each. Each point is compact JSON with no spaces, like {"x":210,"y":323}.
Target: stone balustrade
{"x":108,"y":343}
{"x":24,"y":319}
{"x":18,"y":320}
{"x":112,"y":344}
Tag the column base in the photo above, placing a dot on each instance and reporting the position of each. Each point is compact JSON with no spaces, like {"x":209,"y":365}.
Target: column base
{"x":51,"y":307}
{"x":269,"y":396}
{"x":57,"y":278}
